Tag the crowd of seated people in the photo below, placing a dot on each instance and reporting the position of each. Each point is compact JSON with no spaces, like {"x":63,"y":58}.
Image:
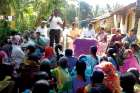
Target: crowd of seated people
{"x":32,"y":66}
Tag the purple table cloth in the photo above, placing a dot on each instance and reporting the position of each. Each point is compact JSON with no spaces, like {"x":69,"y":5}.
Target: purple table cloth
{"x":82,"y":46}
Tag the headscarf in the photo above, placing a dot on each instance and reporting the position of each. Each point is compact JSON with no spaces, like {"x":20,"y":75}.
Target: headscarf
{"x":111,"y":80}
{"x":62,"y":75}
{"x":128,"y":53}
{"x":49,"y":52}
{"x":107,"y":68}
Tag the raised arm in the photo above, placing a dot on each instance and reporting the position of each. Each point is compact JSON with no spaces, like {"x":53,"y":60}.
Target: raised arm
{"x":51,"y":17}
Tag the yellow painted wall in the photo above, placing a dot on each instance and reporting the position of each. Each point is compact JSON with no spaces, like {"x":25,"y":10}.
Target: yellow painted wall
{"x":96,"y":25}
{"x":133,"y":20}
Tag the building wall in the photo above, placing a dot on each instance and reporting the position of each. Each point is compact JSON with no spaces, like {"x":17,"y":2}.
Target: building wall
{"x":126,"y":22}
{"x":129,"y":22}
{"x":115,"y":21}
{"x":138,"y":31}
{"x":133,"y":20}
{"x":123,"y":25}
{"x":96,"y":25}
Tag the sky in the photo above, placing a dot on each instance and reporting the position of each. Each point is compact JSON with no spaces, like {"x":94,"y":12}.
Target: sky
{"x":102,"y":3}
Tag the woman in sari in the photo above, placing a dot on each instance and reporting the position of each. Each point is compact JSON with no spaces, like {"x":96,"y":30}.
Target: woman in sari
{"x":102,"y":41}
{"x":130,"y":61}
{"x":49,"y":56}
{"x":73,"y":34}
{"x":62,"y":76}
{"x":111,"y":80}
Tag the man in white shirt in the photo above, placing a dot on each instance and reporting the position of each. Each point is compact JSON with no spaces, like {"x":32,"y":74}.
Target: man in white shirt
{"x":42,"y":29}
{"x":55,"y":28}
{"x":88,"y":32}
{"x":17,"y":53}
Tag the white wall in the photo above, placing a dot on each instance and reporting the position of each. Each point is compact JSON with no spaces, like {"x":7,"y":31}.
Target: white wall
{"x":115,"y":21}
{"x":123,"y":27}
{"x":138,"y":33}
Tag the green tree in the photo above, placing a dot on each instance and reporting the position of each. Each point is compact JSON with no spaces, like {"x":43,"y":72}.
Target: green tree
{"x":113,"y":7}
{"x":28,"y":13}
{"x":85,"y":11}
{"x":97,"y":11}
{"x":5,"y":7}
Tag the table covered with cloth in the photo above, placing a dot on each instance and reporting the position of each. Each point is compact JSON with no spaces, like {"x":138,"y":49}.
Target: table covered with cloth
{"x":82,"y":46}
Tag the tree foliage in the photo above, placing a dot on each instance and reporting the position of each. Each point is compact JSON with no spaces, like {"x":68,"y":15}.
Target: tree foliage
{"x":29,"y":12}
{"x":5,"y":7}
{"x":113,"y":7}
{"x":85,"y":11}
{"x":97,"y":11}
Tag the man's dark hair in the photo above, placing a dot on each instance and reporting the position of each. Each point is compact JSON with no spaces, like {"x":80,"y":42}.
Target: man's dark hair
{"x":68,"y":52}
{"x":128,"y":81}
{"x":56,"y":10}
{"x":41,"y":86}
{"x":80,"y":68}
{"x":102,"y":28}
{"x":132,"y":30}
{"x":63,"y":62}
{"x":118,"y":30}
{"x":135,"y":72}
{"x":135,"y":46}
{"x":41,"y":75}
{"x":38,"y":33}
{"x":34,"y":58}
{"x":31,"y":48}
{"x":73,"y":23}
{"x":111,"y":51}
{"x":97,"y":77}
{"x":93,"y":49}
{"x":45,"y":66}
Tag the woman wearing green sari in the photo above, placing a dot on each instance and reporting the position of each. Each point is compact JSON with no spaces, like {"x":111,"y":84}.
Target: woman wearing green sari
{"x":63,"y":76}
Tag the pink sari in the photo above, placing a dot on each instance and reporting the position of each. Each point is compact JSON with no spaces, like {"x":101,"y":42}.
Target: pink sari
{"x":130,"y":62}
{"x":101,"y":48}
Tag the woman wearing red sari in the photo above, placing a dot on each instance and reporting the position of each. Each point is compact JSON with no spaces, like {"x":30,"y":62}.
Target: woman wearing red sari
{"x":49,"y":56}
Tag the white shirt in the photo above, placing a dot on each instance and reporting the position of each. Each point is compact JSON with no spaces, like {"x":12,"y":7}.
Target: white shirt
{"x":86,"y":33}
{"x":43,"y":31}
{"x":54,"y":23}
{"x":18,"y":55}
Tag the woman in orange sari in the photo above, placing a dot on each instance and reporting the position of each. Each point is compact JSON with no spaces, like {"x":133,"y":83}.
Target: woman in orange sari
{"x":73,"y":34}
{"x":111,"y":80}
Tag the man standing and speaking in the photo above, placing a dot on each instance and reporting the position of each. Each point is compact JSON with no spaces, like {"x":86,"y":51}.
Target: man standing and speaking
{"x":56,"y":25}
